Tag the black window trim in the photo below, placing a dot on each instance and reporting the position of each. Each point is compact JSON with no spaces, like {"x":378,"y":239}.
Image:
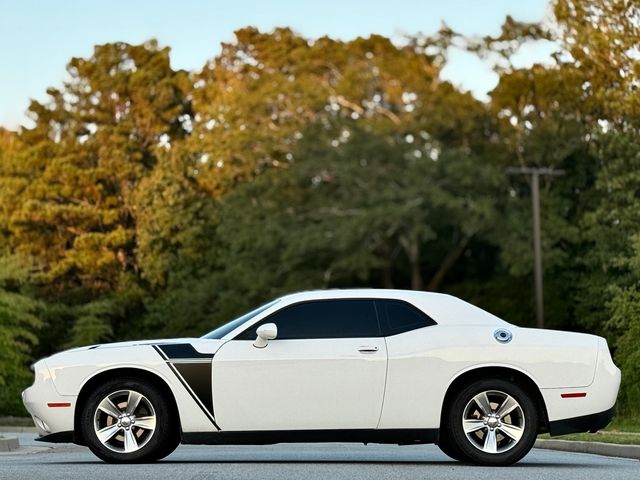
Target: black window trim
{"x":381,"y":331}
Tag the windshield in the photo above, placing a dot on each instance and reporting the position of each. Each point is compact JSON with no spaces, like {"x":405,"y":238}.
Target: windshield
{"x":223,"y":330}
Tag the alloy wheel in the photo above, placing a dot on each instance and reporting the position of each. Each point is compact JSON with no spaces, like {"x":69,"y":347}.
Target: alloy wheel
{"x":124,"y":421}
{"x":493,"y":421}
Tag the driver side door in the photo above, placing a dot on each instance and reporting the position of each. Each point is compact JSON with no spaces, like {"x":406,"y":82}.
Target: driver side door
{"x":325,"y":370}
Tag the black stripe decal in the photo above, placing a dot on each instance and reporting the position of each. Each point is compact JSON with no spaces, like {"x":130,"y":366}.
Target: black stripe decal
{"x":183,"y":350}
{"x":155,"y":347}
{"x":198,"y":376}
{"x":195,"y":376}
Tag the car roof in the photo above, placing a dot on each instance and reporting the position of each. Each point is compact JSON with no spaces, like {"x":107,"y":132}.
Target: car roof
{"x":443,"y":308}
{"x":358,"y":293}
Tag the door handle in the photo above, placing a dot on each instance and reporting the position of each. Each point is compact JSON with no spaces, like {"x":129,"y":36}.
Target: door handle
{"x":368,"y":349}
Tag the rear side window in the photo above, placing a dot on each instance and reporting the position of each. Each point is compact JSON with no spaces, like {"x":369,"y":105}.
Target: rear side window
{"x":397,"y":316}
{"x":349,"y":318}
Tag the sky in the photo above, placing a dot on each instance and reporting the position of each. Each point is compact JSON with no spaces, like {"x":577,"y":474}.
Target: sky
{"x":39,"y":37}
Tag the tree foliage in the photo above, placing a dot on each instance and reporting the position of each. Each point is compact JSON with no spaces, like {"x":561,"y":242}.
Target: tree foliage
{"x":19,"y":325}
{"x":147,"y":201}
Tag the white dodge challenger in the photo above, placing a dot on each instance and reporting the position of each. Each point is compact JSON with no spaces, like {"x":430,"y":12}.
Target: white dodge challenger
{"x":371,"y":366}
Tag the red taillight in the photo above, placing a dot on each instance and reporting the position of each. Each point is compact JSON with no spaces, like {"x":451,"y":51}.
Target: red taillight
{"x":58,"y":405}
{"x":573,"y":395}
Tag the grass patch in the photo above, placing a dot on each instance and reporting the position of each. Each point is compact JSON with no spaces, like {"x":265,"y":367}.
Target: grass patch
{"x":620,"y":438}
{"x":622,"y":431}
{"x":624,"y":425}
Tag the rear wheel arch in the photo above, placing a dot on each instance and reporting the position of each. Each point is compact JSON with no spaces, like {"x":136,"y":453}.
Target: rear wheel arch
{"x":502,"y":373}
{"x":116,"y":373}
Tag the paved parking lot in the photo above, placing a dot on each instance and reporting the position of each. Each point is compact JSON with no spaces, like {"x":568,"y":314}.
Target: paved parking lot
{"x":306,"y":462}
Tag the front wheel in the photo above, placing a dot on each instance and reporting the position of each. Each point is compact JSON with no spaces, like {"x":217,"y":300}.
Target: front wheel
{"x":129,"y":420}
{"x":493,"y":422}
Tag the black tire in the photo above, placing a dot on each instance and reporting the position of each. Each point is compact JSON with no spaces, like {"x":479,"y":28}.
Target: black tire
{"x":475,"y":448}
{"x":450,"y":449}
{"x":153,"y":444}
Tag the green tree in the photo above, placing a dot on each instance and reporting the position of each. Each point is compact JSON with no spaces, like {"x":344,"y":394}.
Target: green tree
{"x":612,"y":230}
{"x":601,"y":37}
{"x":365,"y":210}
{"x":153,"y":202}
{"x":255,"y":99}
{"x":176,"y":249}
{"x":18,"y":332}
{"x":540,"y":123}
{"x":93,"y":142}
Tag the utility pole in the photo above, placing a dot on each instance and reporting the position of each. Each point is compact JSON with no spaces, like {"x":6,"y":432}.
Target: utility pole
{"x":534,"y":174}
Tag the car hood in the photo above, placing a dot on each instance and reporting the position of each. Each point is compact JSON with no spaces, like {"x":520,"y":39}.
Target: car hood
{"x":131,"y":343}
{"x":198,"y":343}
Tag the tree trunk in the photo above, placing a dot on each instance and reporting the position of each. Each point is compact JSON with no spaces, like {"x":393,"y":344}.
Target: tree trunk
{"x":449,"y":261}
{"x":417,"y":282}
{"x":387,"y":281}
{"x":411,"y":247}
{"x":416,"y":276}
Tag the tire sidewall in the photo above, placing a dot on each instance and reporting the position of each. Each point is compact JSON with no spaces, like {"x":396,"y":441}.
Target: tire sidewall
{"x":451,"y":449}
{"x":163,"y":434}
{"x":458,"y":436}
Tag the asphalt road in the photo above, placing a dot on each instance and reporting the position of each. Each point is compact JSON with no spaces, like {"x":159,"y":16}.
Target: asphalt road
{"x":306,"y":462}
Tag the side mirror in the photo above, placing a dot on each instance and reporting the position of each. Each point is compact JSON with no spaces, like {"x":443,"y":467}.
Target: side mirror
{"x":266,"y":332}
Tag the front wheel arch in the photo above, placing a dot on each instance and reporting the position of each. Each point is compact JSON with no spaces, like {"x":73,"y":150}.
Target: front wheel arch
{"x":502,"y":373}
{"x":116,"y":373}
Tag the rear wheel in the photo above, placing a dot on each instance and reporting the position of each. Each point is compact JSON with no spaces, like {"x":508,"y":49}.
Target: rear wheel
{"x":129,"y":420}
{"x":492,"y":422}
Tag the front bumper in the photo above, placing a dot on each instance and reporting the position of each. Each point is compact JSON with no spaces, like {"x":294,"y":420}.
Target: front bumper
{"x":51,"y":412}
{"x":585,"y":423}
{"x":59,"y":437}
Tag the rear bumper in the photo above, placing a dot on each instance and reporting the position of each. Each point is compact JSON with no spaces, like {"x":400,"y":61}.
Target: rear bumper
{"x":576,"y":406}
{"x":585,"y":423}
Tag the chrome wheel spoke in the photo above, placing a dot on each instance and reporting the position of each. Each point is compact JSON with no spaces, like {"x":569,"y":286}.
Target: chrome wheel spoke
{"x":130,"y":441}
{"x":109,"y":408}
{"x":148,"y":423}
{"x":508,"y":405}
{"x":483,"y":402}
{"x":115,"y":427}
{"x":490,"y":442}
{"x":484,"y":426}
{"x":107,"y":433}
{"x":472,"y":425}
{"x":512,"y":431}
{"x":133,"y":401}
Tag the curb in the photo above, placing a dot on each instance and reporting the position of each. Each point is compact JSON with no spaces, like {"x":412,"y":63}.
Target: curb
{"x":595,"y":448}
{"x":9,"y":429}
{"x":9,"y":444}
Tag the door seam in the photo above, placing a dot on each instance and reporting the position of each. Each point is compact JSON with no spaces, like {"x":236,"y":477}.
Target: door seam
{"x":386,"y":374}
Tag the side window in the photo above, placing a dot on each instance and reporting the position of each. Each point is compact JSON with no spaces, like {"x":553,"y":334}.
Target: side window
{"x":398,"y":316}
{"x":349,"y":318}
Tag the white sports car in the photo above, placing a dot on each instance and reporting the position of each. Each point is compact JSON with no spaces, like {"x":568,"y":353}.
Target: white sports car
{"x":371,"y":366}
